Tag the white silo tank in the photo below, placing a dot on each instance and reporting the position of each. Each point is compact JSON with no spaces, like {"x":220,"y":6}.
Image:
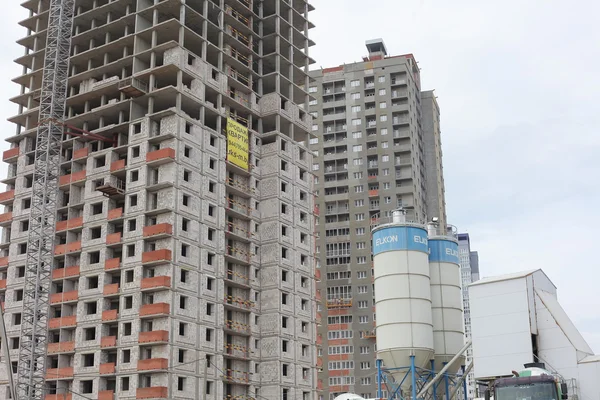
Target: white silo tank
{"x":446,"y":299}
{"x":402,"y":294}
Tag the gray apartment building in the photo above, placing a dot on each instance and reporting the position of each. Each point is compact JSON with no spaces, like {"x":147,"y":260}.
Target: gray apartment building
{"x":172,"y":258}
{"x":378,"y":148}
{"x":469,"y":269}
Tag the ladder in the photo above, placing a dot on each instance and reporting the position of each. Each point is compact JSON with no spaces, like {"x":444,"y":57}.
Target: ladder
{"x":42,"y":220}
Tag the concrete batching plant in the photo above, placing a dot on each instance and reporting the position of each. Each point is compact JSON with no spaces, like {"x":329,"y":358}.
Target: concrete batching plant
{"x":419,"y":326}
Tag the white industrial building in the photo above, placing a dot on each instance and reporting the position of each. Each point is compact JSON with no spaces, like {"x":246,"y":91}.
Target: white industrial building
{"x":517,"y":319}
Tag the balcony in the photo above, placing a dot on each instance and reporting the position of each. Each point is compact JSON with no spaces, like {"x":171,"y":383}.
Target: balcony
{"x":73,"y":178}
{"x":238,"y":327}
{"x":6,"y":219}
{"x":58,"y":397}
{"x":61,"y":347}
{"x":2,"y":284}
{"x":69,"y":224}
{"x":7,"y":197}
{"x":10,"y":155}
{"x":156,"y":392}
{"x":156,"y":283}
{"x":117,"y":166}
{"x":67,"y":248}
{"x":236,"y":351}
{"x":238,"y":302}
{"x":115,"y":213}
{"x":106,"y":394}
{"x":159,"y":230}
{"x":152,"y":364}
{"x":113,"y":238}
{"x":64,"y":297}
{"x":81,"y":153}
{"x":112,"y":263}
{"x":153,"y":337}
{"x":156,"y":257}
{"x":317,"y":275}
{"x":67,"y":272}
{"x":108,"y":341}
{"x":373,"y":192}
{"x":110,"y":315}
{"x":156,"y":309}
{"x":107,"y":368}
{"x":59,"y":373}
{"x":111,"y":289}
{"x":159,"y":157}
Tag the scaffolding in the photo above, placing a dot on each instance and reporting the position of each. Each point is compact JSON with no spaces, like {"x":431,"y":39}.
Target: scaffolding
{"x":42,"y":219}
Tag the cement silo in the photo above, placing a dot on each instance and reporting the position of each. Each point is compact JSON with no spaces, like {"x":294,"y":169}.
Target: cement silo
{"x":446,"y":297}
{"x":402,"y":294}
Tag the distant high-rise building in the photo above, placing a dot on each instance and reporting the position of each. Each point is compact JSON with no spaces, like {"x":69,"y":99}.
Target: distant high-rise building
{"x":378,"y":148}
{"x":183,"y":257}
{"x":469,"y":267}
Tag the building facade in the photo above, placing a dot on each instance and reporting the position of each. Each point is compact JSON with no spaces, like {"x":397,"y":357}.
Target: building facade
{"x":469,"y":269}
{"x":372,"y":158}
{"x":173,"y":259}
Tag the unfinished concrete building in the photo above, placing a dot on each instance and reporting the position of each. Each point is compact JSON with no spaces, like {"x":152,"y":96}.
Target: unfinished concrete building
{"x":172,"y":259}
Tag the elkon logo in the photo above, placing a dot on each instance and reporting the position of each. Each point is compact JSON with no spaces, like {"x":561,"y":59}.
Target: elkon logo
{"x":394,"y":239}
{"x":450,"y":252}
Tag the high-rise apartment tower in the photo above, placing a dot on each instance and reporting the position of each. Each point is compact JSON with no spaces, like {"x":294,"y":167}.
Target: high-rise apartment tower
{"x":378,"y":145}
{"x":185,"y":222}
{"x":469,"y":269}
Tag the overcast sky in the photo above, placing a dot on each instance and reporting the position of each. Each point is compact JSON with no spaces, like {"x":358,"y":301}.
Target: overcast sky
{"x":518,"y":85}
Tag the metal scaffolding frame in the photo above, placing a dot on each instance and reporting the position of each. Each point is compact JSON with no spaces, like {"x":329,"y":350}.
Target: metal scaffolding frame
{"x":42,"y":219}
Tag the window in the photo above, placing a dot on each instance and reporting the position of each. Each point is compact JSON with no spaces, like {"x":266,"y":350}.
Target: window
{"x":365,"y":365}
{"x":90,"y":333}
{"x":211,"y":186}
{"x":133,"y":200}
{"x":16,"y":320}
{"x":312,"y":102}
{"x":96,"y":233}
{"x":128,"y":302}
{"x":209,"y":283}
{"x":383,"y":104}
{"x":361,"y":274}
{"x":126,"y":329}
{"x":181,"y":356}
{"x":357,"y":161}
{"x":184,"y":250}
{"x":134,"y":176}
{"x":315,"y":127}
{"x":129,"y":276}
{"x":358,"y":189}
{"x":185,"y":200}
{"x":92,"y":282}
{"x":132,"y":223}
{"x":363,"y":319}
{"x":284,"y":322}
{"x":360,"y":231}
{"x":187,"y":151}
{"x":126,"y":356}
{"x":184,"y":224}
{"x":382,"y":93}
{"x":360,"y":246}
{"x":284,"y":252}
{"x":88,"y":360}
{"x":20,"y":272}
{"x":91,"y":308}
{"x":363,"y":304}
{"x":187,"y":175}
{"x":284,"y":298}
{"x":211,"y":163}
{"x":384,"y":145}
{"x":356,"y":135}
{"x":313,"y":141}
{"x":357,"y":122}
{"x":387,"y":199}
{"x":362,"y":289}
{"x":125,"y":383}
{"x":355,"y":83}
{"x":381,"y":79}
{"x":312,"y":89}
{"x":385,"y":171}
{"x":284,"y":370}
{"x":367,"y":380}
{"x":209,"y":335}
{"x":135,"y":151}
{"x":385,"y":158}
{"x":383,"y":132}
{"x":209,"y":308}
{"x":355,"y":96}
{"x":358,"y":175}
{"x":182,"y":328}
{"x":359,"y":203}
{"x":355,"y":109}
{"x":386,"y":185}
{"x":183,"y":277}
{"x":211,"y":234}
{"x":357,"y":148}
{"x":364,"y":350}
{"x":180,"y":383}
{"x":383,"y":118}
{"x":211,"y":210}
{"x":183,"y":302}
{"x":18,"y":295}
{"x":360,"y":217}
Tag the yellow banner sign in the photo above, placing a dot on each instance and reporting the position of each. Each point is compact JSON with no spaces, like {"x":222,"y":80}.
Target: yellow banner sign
{"x":237,"y":144}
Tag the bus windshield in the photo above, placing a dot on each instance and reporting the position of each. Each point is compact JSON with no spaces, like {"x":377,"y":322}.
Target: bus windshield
{"x":532,"y":391}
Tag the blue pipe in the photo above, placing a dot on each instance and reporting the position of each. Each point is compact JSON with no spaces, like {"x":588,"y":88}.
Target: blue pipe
{"x":413,"y":378}
{"x":465,"y":384}
{"x":447,"y":384}
{"x":379,"y":391}
{"x":433,"y":377}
